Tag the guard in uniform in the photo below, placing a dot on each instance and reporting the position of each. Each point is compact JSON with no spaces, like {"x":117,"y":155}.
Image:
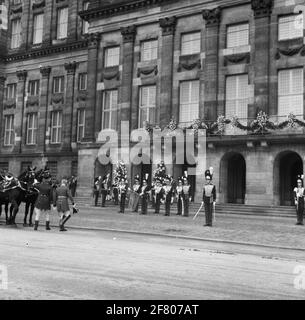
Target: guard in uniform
{"x":61,"y":195}
{"x":158,"y":194}
{"x":209,"y":197}
{"x":105,"y":188}
{"x":168,"y":195}
{"x":180,"y":198}
{"x":96,"y":189}
{"x":123,"y":188}
{"x":186,"y":195}
{"x":135,"y":194}
{"x":299,"y":201}
{"x":44,"y":200}
{"x":144,"y":196}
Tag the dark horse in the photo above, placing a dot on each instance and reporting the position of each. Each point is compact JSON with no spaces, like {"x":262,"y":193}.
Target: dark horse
{"x":29,"y":197}
{"x":11,"y":191}
{"x":4,"y":200}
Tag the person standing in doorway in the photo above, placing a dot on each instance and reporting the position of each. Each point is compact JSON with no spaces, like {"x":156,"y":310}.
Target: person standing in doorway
{"x":144,"y":196}
{"x":158,"y":194}
{"x":123,"y":188}
{"x":168,"y":195}
{"x":96,"y":189}
{"x":105,"y":188}
{"x":186,"y":195}
{"x":299,"y":196}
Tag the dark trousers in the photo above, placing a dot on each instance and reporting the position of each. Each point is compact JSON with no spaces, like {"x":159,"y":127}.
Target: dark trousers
{"x":122,"y":202}
{"x":300,"y":210}
{"x":116,"y":196}
{"x":157,"y":204}
{"x":104,"y":194}
{"x":208,"y":210}
{"x":96,"y":195}
{"x":186,"y":205}
{"x":144,"y":203}
{"x":179,"y":206}
{"x":167,"y":207}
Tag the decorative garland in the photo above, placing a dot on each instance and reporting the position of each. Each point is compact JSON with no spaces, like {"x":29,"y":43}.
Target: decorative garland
{"x":261,"y":125}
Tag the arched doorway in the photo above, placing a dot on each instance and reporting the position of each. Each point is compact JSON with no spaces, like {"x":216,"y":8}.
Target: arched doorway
{"x":233,"y":178}
{"x":141,"y":169}
{"x":102,"y":170}
{"x":288,"y":166}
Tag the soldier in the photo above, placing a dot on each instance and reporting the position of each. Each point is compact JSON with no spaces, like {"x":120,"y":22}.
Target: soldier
{"x":105,"y":187}
{"x":186,"y":195}
{"x":44,"y":199}
{"x":144,"y":196}
{"x":158,"y":194}
{"x":123,"y":187}
{"x":96,"y":189}
{"x":180,"y":200}
{"x":73,"y":185}
{"x":168,"y":195}
{"x":209,"y":197}
{"x":299,"y":201}
{"x":60,"y":201}
{"x":135,"y":194}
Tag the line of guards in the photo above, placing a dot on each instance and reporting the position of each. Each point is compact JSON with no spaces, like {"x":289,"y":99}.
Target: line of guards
{"x":162,"y":192}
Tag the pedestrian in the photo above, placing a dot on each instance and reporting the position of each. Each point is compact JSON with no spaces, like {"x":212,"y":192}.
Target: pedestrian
{"x":96,"y":189}
{"x":158,"y":194}
{"x":60,"y":200}
{"x":168,"y":195}
{"x":44,"y":200}
{"x":144,"y":195}
{"x":115,"y":194}
{"x":73,"y":186}
{"x":180,"y":198}
{"x":209,"y":197}
{"x":123,"y":188}
{"x":105,"y":188}
{"x":186,"y":195}
{"x":299,"y":201}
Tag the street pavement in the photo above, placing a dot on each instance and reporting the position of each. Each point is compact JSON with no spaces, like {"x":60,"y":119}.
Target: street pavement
{"x":87,"y":264}
{"x":259,"y":230}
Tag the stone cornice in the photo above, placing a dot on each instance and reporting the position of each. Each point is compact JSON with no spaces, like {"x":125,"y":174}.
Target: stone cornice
{"x":38,"y":4}
{"x":17,"y":8}
{"x":129,"y":33}
{"x":168,"y":25}
{"x":262,"y":8}
{"x":120,"y":8}
{"x":22,"y":75}
{"x":51,"y":49}
{"x":2,"y":79}
{"x":93,"y":40}
{"x":212,"y":16}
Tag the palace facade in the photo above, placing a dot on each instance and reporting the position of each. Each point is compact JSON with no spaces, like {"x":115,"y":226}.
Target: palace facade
{"x":72,"y":68}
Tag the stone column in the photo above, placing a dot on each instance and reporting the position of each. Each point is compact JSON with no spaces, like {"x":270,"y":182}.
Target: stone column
{"x":168,"y":26}
{"x":69,"y":107}
{"x":47,"y":22}
{"x":212,"y":18}
{"x":20,"y":119}
{"x":93,"y":45}
{"x":125,"y":99}
{"x":2,"y":82}
{"x":43,"y":108}
{"x":262,"y":11}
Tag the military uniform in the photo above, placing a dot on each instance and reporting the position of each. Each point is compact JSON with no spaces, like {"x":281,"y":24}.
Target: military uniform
{"x":158,"y":195}
{"x":208,"y":198}
{"x":144,"y":196}
{"x":105,"y":189}
{"x":135,"y":196}
{"x":123,"y":187}
{"x":180,"y":199}
{"x":186,"y":197}
{"x":299,"y":195}
{"x":168,"y":198}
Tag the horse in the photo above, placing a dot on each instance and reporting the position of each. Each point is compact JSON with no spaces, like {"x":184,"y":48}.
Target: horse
{"x":11,"y":191}
{"x":28,"y":178}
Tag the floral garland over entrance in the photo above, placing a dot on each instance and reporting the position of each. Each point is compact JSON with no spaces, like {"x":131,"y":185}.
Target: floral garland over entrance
{"x":260,"y":125}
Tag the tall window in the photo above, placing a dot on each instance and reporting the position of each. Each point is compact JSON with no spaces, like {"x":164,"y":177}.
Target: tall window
{"x":9,"y":133}
{"x":112,"y":56}
{"x":190,"y":43}
{"x":147,"y":104}
{"x":82,"y":81}
{"x":238,"y":35}
{"x":11,"y":91}
{"x":237,"y":94}
{"x":110,"y":109}
{"x":290,"y":27}
{"x":62,"y":23}
{"x":58,"y":84}
{"x":290,"y":92}
{"x":80,"y":124}
{"x":38,"y":28}
{"x":31,"y":134}
{"x":189,"y":101}
{"x":16,"y":33}
{"x":85,"y":27}
{"x":33,"y":88}
{"x":149,"y":50}
{"x":56,"y":126}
